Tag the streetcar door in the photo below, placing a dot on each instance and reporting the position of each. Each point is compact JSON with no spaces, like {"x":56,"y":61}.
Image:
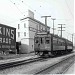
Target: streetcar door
{"x":36,"y":42}
{"x":42,"y":43}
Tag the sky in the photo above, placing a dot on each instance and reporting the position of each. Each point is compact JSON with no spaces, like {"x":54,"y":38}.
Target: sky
{"x":62,"y":10}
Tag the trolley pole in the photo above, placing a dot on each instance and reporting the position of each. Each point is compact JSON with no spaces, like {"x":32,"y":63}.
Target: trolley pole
{"x":61,"y":28}
{"x":53,"y":24}
{"x":45,"y":21}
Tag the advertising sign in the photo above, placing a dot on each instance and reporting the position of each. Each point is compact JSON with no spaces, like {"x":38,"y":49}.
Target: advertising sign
{"x":7,"y":37}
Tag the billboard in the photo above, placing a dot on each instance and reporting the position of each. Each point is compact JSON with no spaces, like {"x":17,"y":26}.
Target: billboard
{"x":7,"y":38}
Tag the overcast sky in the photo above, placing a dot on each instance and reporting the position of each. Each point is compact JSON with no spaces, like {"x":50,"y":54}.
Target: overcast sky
{"x":63,"y":10}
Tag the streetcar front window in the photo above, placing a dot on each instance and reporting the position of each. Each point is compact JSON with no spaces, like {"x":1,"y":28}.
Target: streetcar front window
{"x":36,"y":40}
{"x":47,"y":40}
{"x":42,"y":40}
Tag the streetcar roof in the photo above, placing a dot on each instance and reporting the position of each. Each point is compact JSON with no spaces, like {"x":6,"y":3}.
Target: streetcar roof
{"x":48,"y":34}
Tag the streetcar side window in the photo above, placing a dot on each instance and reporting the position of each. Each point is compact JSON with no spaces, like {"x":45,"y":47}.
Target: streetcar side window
{"x":47,"y":40}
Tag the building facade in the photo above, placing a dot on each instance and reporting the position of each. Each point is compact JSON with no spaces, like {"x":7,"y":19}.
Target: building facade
{"x":26,"y":30}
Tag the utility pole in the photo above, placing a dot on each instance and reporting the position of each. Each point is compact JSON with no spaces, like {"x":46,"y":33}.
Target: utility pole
{"x":61,"y":28}
{"x":45,"y":21}
{"x":53,"y":24}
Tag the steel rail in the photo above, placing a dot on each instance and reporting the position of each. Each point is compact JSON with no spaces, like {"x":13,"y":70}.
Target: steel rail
{"x":63,"y":72}
{"x":22,"y":62}
{"x":56,"y":65}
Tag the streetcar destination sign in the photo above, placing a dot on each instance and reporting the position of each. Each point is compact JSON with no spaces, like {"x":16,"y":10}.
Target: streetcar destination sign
{"x":7,"y":37}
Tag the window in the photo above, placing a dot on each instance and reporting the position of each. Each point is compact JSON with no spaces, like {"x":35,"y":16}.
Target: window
{"x":18,"y":26}
{"x":61,"y":42}
{"x":36,"y":40}
{"x":18,"y":34}
{"x":32,"y":29}
{"x":41,"y":40}
{"x":47,"y":40}
{"x":55,"y":41}
{"x":24,"y":25}
{"x":24,"y":33}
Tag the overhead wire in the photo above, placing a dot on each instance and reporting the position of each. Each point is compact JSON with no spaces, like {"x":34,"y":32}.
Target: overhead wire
{"x":23,"y":7}
{"x":63,"y":19}
{"x":69,"y":9}
{"x":30,"y":7}
{"x":4,"y":19}
{"x":27,"y":5}
{"x":69,"y":36}
{"x":16,"y":6}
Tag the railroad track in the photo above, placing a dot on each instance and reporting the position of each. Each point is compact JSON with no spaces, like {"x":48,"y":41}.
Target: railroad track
{"x":22,"y":62}
{"x":58,"y":68}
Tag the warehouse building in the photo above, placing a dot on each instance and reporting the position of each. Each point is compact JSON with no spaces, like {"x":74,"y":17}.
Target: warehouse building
{"x":26,"y":29}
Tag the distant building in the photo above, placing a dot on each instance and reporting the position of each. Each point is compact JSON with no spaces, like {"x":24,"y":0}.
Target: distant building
{"x":26,"y":29}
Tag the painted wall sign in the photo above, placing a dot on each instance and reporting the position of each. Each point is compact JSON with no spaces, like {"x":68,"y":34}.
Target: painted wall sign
{"x":7,"y":37}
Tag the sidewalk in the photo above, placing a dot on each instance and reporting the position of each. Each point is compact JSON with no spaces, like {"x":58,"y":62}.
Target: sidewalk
{"x":13,"y":56}
{"x":16,"y":57}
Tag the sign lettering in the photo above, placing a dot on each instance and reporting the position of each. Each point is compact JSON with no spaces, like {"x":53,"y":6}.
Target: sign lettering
{"x":7,"y":37}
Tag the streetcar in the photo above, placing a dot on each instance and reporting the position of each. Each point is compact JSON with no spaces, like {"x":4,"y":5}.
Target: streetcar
{"x":47,"y":43}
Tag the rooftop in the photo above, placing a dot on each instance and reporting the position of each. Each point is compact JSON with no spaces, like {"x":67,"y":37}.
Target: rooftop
{"x":35,"y":21}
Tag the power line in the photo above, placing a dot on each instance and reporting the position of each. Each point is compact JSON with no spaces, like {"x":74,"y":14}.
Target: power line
{"x":46,"y":3}
{"x":61,"y":28}
{"x":25,"y":4}
{"x":69,"y":8}
{"x":30,"y":7}
{"x":17,"y":7}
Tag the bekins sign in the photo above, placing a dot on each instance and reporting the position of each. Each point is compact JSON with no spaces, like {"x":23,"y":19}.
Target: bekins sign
{"x":7,"y":37}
